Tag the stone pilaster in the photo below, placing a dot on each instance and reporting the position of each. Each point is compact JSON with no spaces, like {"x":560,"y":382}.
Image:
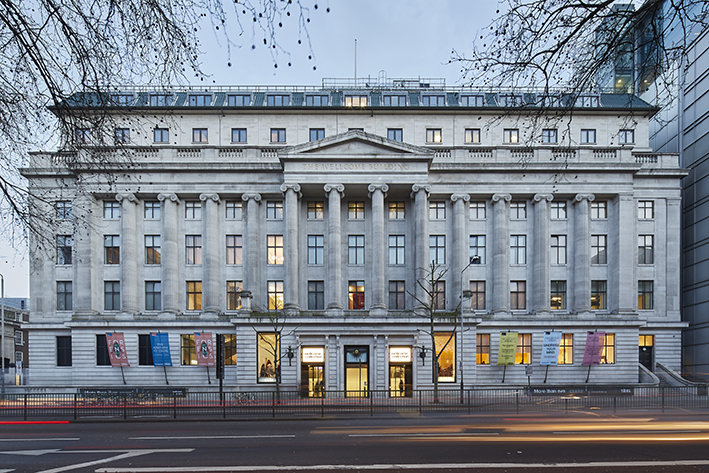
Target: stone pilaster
{"x":129,"y":254}
{"x":582,"y":253}
{"x":210,"y":256}
{"x":252,"y":251}
{"x":377,"y":192}
{"x":674,"y":257}
{"x":623,"y":287}
{"x":461,"y":248}
{"x":540,"y":285}
{"x":292,"y":194}
{"x":501,"y":253}
{"x":420,"y":193}
{"x":333,"y":285}
{"x":84,"y":258}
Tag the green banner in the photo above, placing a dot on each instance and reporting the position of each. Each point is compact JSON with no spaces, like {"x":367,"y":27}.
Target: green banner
{"x":508,"y":348}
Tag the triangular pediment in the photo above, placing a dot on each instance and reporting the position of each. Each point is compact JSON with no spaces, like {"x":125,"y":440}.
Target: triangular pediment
{"x":354,"y":143}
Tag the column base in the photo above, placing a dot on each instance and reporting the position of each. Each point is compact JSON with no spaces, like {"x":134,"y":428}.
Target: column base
{"x":334,"y":311}
{"x":378,"y":311}
{"x":168,"y":315}
{"x":210,"y":313}
{"x":291,"y":310}
{"x":126,"y":315}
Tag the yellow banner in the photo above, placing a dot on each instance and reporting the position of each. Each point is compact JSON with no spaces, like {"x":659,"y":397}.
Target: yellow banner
{"x":508,"y":348}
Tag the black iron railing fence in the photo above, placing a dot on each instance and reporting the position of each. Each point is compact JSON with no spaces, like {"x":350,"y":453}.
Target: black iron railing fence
{"x":182,"y":403}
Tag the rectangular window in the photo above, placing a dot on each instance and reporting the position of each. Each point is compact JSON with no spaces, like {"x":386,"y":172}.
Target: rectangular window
{"x":64,"y":296}
{"x":233,"y":295}
{"x":121,"y":135}
{"x":153,"y":295}
{"x":433,"y":135}
{"x":397,"y":295}
{"x":518,"y":210}
{"x":558,"y":210}
{"x":193,"y":249}
{"x":355,"y":249}
{"x":356,"y":295}
{"x":433,"y":100}
{"x":395,"y":134}
{"x":396,"y":211}
{"x":316,"y":210}
{"x":510,"y":135}
{"x":317,"y":134}
{"x":19,"y":338}
{"x":111,"y":249}
{"x":482,"y":349}
{"x":194,"y":295}
{"x":445,"y":350}
{"x":439,"y":295}
{"x":162,"y":100}
{"x":549,"y":136}
{"x":278,"y":135}
{"x":111,"y":295}
{"x":396,"y":249}
{"x":83,"y":135}
{"x":152,"y":249}
{"x":122,"y":99}
{"x":394,"y":100}
{"x":64,"y":350}
{"x":269,"y":356}
{"x":477,"y":211}
{"x":199,"y":135}
{"x":626,"y":137}
{"x":598,"y":295}
{"x":588,"y":136}
{"x":472,"y":100}
{"x":193,"y":210}
{"x":646,"y":209}
{"x":510,"y":100}
{"x":316,"y":249}
{"x":151,"y":210}
{"x":477,"y":247}
{"x":558,"y":295}
{"x":275,"y":295}
{"x":63,"y":208}
{"x":188,"y":354}
{"x":518,"y":249}
{"x":645,"y":249}
{"x":234,"y":210}
{"x":566,"y":349}
{"x":645,"y":301}
{"x":274,"y":210}
{"x":238,"y":100}
{"x":316,"y":295}
{"x":145,"y":351}
{"x":234,"y":249}
{"x":316,"y":100}
{"x":201,"y":100}
{"x":598,"y":249}
{"x":588,"y":101}
{"x":161,"y":135}
{"x":437,"y":210}
{"x":608,"y":353}
{"x":524,"y":349}
{"x":102,"y":357}
{"x":229,"y":349}
{"x":518,"y":295}
{"x":558,"y":249}
{"x":277,"y":100}
{"x":274,"y":249}
{"x":599,"y":210}
{"x":111,"y":210}
{"x":355,"y":210}
{"x":437,"y":249}
{"x":238,"y":135}
{"x":64,"y":243}
{"x":472,"y":135}
{"x":477,"y":297}
{"x":355,"y":100}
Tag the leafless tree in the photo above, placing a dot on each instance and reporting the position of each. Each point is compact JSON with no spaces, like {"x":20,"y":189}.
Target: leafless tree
{"x":278,"y":323}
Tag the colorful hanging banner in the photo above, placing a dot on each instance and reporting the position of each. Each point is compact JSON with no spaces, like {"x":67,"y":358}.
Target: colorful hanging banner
{"x":117,"y":349}
{"x":205,"y":349}
{"x":594,"y":348}
{"x":508,"y":348}
{"x":550,"y":349}
{"x":160,"y":345}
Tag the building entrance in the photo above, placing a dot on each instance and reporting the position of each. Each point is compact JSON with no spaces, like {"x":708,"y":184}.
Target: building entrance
{"x":356,"y":371}
{"x":400,"y":372}
{"x":646,"y":345}
{"x":312,"y":371}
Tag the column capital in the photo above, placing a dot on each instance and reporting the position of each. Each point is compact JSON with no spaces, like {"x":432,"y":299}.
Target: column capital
{"x":169,"y":196}
{"x":205,"y":197}
{"x":499,"y":197}
{"x":540,"y":197}
{"x":251,"y":196}
{"x":463,"y":197}
{"x":336,"y":187}
{"x":420,"y":187}
{"x":582,"y":197}
{"x":674,"y":202}
{"x":294,"y":187}
{"x":374,"y":187}
{"x":126,"y":197}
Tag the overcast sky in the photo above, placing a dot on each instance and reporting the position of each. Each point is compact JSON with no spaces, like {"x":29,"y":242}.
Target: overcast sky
{"x":403,"y":38}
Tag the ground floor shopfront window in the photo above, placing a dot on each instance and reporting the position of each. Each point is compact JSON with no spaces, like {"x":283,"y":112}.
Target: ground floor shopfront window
{"x":445,"y":350}
{"x":312,"y":371}
{"x":356,"y":371}
{"x":400,"y":372}
{"x":269,"y":359}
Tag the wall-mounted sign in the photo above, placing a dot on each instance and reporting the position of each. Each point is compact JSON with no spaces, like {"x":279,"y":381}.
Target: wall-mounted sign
{"x":594,"y":348}
{"x":313,"y":354}
{"x":204,"y":347}
{"x":116,"y":349}
{"x":160,"y":345}
{"x":508,"y":348}
{"x":399,"y":354}
{"x":550,"y":349}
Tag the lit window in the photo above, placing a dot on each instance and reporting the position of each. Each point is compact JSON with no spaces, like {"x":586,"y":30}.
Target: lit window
{"x":163,"y":100}
{"x":316,"y":249}
{"x":397,"y":295}
{"x":153,"y":295}
{"x":445,"y":349}
{"x":356,"y":295}
{"x":112,"y":295}
{"x":275,"y":295}
{"x":477,"y":247}
{"x":355,"y":100}
{"x":588,"y":136}
{"x":152,"y":249}
{"x":233,"y":295}
{"x":238,"y":135}
{"x":472,"y":135}
{"x":355,"y":210}
{"x":151,"y":210}
{"x":277,"y":100}
{"x":194,"y":295}
{"x":626,"y":137}
{"x":472,"y":100}
{"x":161,"y":135}
{"x":558,"y":249}
{"x":64,"y":243}
{"x":229,"y":349}
{"x":278,"y":135}
{"x":433,"y":100}
{"x":316,"y":210}
{"x":316,"y":295}
{"x":558,"y":210}
{"x":510,"y":135}
{"x":394,"y":100}
{"x":518,"y":249}
{"x":274,"y":210}
{"x":558,"y":295}
{"x":234,"y":249}
{"x":598,"y":295}
{"x":269,"y":355}
{"x":396,"y":249}
{"x":477,"y":298}
{"x":199,"y":135}
{"x":646,"y":209}
{"x":599,"y":210}
{"x":234,"y":210}
{"x":482,"y":349}
{"x":437,"y":210}
{"x":549,"y":136}
{"x":187,"y":350}
{"x":437,"y":249}
{"x":63,"y":208}
{"x":518,"y":210}
{"x":356,"y":249}
{"x":274,"y":249}
{"x":317,"y":134}
{"x":202,"y":100}
{"x":238,"y":100}
{"x":111,"y":209}
{"x":608,"y":353}
{"x":518,"y":295}
{"x":433,"y":135}
{"x":395,"y":134}
{"x":122,"y":135}
{"x":598,"y":249}
{"x":566,"y":349}
{"x":193,"y":210}
{"x":477,"y":211}
{"x":396,"y":210}
{"x":524,"y":349}
{"x":64,"y":295}
{"x":645,"y":249}
{"x":316,"y":100}
{"x":193,"y":249}
{"x":111,"y":249}
{"x":645,"y":301}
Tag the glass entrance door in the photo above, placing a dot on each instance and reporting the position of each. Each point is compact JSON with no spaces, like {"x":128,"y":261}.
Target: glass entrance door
{"x":400,"y":380}
{"x":312,"y":380}
{"x":356,"y":371}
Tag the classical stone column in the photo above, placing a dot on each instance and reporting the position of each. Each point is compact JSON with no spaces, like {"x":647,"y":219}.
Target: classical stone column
{"x":84,"y":258}
{"x":420,"y":193}
{"x":169,"y":254}
{"x":622,"y":262}
{"x":210,"y":255}
{"x":501,"y":253}
{"x":333,"y":285}
{"x":674,"y":258}
{"x":582,"y":254}
{"x":377,"y":192}
{"x":461,"y":248}
{"x":541,"y":284}
{"x":292,"y":194}
{"x":129,"y":253}
{"x":252,"y":247}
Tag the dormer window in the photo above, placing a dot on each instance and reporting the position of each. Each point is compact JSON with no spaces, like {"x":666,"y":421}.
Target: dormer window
{"x":394,"y":100}
{"x":355,"y":100}
{"x":238,"y":100}
{"x":278,"y":100}
{"x":316,"y":100}
{"x":160,"y":100}
{"x":588,"y":101}
{"x":472,"y":100}
{"x":122,"y":99}
{"x":433,"y":100}
{"x":201,"y":100}
{"x":510,"y":100}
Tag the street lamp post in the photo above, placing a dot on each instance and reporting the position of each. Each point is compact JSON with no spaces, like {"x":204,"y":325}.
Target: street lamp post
{"x":463,"y":295}
{"x":2,"y":335}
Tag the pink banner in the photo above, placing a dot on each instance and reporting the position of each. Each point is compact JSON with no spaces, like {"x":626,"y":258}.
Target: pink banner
{"x":205,"y":349}
{"x":117,"y":349}
{"x":594,"y":348}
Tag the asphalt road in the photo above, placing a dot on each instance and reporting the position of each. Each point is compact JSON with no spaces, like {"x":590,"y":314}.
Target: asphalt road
{"x":446,"y":443}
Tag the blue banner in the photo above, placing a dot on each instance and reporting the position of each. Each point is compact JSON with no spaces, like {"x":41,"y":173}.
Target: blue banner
{"x":161,"y":349}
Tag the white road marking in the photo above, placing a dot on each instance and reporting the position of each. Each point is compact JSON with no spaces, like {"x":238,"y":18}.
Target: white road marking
{"x":40,"y":440}
{"x":128,"y":454}
{"x":6,"y":471}
{"x":33,"y":453}
{"x":197,"y":437}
